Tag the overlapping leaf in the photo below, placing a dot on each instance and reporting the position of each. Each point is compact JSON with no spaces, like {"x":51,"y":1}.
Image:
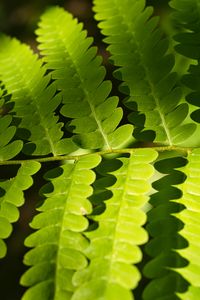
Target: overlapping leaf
{"x":164,"y":228}
{"x":35,"y":99}
{"x":138,"y":48}
{"x":192,"y":80}
{"x":114,"y":244}
{"x":190,"y":216}
{"x":11,"y":197}
{"x":2,"y":100}
{"x":58,"y":243}
{"x":79,"y":76}
{"x":70,"y":259}
{"x":187,"y":15}
{"x":8,"y":148}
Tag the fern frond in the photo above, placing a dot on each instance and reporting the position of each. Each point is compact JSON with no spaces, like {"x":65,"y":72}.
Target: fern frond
{"x":35,"y":99}
{"x":164,"y":229}
{"x":114,"y":244}
{"x":58,"y":242}
{"x":190,"y":216}
{"x":11,"y":197}
{"x":187,"y":15}
{"x":138,"y":48}
{"x":79,"y":76}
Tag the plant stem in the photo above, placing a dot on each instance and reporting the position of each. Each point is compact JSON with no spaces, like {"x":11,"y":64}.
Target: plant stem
{"x":185,"y":150}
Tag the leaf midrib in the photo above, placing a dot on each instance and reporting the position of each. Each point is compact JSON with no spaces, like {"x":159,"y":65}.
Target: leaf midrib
{"x":82,"y":80}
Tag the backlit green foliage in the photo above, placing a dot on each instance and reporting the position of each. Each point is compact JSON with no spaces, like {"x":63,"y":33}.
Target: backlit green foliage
{"x":119,"y":214}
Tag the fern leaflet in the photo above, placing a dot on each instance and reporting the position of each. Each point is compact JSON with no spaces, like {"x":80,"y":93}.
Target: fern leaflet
{"x":190,"y":217}
{"x":134,"y":39}
{"x":34,"y":99}
{"x":187,"y":14}
{"x":58,"y":243}
{"x":114,"y":244}
{"x":11,"y":197}
{"x":79,"y":75}
{"x":164,"y":229}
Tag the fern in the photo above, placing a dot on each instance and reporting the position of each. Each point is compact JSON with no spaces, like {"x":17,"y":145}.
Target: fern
{"x":35,"y":100}
{"x":134,"y":39}
{"x":11,"y":197}
{"x":190,"y":217}
{"x":164,"y":229}
{"x":117,"y":218}
{"x":114,"y":245}
{"x":187,"y":15}
{"x":59,"y":244}
{"x":11,"y":191}
{"x":79,"y":75}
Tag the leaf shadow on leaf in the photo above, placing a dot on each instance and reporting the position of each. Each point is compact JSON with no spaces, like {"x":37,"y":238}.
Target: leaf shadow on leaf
{"x":100,"y":188}
{"x":2,"y":193}
{"x":48,"y":176}
{"x":162,"y":257}
{"x":138,"y":120}
{"x":196,"y":116}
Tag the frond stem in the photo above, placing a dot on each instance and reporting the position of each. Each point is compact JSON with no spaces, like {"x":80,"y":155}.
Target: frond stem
{"x":185,"y":150}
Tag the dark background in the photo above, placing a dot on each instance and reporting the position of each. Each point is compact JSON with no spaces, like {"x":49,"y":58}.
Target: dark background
{"x":19,"y":18}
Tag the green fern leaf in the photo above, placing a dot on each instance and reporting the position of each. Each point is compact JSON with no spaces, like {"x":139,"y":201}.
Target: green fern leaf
{"x":114,"y":244}
{"x":79,"y":75}
{"x":35,"y":100}
{"x":190,"y":216}
{"x":58,"y":242}
{"x":11,"y":197}
{"x":163,"y":227}
{"x":187,"y":15}
{"x":138,"y":48}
